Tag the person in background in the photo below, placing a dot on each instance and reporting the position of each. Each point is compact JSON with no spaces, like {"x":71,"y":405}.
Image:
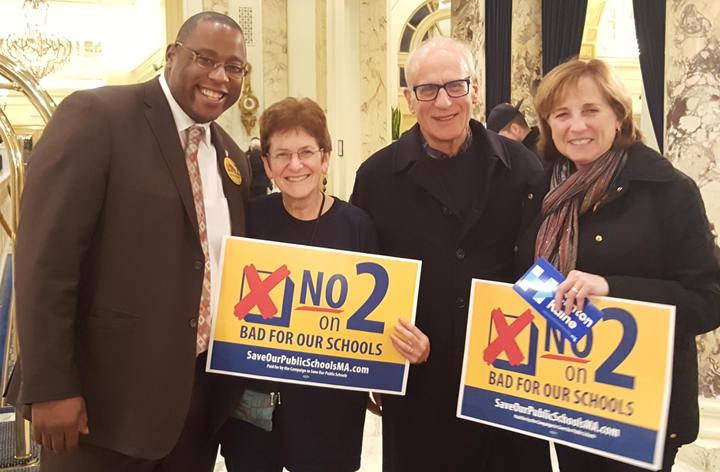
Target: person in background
{"x":128,"y":196}
{"x":507,"y":120}
{"x":616,"y":219}
{"x":448,"y":193}
{"x":261,"y":184}
{"x":312,"y":428}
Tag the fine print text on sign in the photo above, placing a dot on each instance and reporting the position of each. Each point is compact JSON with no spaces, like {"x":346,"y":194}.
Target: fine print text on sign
{"x":311,"y":315}
{"x":608,"y":394}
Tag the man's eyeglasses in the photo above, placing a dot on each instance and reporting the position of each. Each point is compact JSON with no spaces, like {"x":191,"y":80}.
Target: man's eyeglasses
{"x":234,"y":71}
{"x":454,"y":89}
{"x":286,"y":156}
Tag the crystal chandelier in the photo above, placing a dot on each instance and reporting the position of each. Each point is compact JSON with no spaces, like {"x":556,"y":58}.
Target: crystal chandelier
{"x":35,"y":50}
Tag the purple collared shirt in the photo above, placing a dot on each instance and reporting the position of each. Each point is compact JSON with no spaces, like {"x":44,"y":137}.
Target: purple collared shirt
{"x":435,"y":154}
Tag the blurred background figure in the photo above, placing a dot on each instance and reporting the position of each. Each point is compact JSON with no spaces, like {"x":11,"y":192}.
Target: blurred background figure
{"x":618,"y":220}
{"x":261,"y":184}
{"x":507,"y":120}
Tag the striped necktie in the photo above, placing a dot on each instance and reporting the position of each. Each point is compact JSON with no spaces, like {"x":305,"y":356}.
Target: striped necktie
{"x":194,"y":135}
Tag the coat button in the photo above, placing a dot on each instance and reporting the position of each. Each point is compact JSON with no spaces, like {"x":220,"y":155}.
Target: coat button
{"x":460,"y":254}
{"x":598,"y":238}
{"x":198,"y":265}
{"x":193,"y":322}
{"x":447,"y":211}
{"x":619,"y":189}
{"x":530,"y":196}
{"x":673,"y":436}
{"x":515,"y":249}
{"x":460,"y":302}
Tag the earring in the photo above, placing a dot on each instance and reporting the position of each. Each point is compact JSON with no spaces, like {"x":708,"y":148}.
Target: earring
{"x":324,"y":182}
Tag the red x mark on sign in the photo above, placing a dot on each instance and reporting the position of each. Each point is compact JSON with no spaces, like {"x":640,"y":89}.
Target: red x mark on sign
{"x":260,"y":292}
{"x":505,"y":340}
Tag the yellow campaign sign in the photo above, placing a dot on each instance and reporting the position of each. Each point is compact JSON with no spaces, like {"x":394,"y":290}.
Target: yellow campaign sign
{"x":311,"y":315}
{"x":609,"y":394}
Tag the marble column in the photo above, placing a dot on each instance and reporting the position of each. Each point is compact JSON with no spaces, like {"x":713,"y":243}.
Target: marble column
{"x":468,"y":25}
{"x":275,"y":51}
{"x":692,"y":141}
{"x":374,"y":107}
{"x":220,"y":6}
{"x":692,"y":103}
{"x":526,"y":55}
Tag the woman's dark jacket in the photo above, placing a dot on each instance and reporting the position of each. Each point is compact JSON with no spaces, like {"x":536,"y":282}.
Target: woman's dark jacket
{"x":651,"y":241}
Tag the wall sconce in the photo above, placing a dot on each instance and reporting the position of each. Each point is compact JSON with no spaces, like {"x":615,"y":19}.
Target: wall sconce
{"x":248,"y":104}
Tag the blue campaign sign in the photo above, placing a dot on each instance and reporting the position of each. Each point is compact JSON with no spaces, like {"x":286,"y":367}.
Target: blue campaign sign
{"x":538,"y":287}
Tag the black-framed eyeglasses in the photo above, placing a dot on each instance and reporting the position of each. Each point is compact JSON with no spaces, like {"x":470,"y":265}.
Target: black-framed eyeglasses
{"x":286,"y":156}
{"x":454,"y":89}
{"x":234,"y":71}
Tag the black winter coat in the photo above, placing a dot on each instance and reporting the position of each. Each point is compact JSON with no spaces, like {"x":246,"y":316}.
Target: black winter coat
{"x":415,"y":217}
{"x":651,"y":241}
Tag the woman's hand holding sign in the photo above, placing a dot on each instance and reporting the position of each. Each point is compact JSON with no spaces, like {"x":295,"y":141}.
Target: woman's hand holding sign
{"x":577,"y":287}
{"x":410,"y":342}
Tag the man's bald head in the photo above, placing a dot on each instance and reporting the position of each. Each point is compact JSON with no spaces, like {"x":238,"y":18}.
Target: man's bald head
{"x":438,"y":46}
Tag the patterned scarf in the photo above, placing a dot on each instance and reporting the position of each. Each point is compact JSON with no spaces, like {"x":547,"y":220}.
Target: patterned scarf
{"x":571,"y":195}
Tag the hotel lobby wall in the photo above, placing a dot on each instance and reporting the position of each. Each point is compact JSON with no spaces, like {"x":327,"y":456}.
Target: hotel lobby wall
{"x":692,"y":143}
{"x":526,"y":54}
{"x":468,"y":25}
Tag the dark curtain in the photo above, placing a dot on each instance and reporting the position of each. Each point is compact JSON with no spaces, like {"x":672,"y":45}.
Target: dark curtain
{"x":498,"y":28}
{"x":650,"y":30}
{"x":563,"y":22}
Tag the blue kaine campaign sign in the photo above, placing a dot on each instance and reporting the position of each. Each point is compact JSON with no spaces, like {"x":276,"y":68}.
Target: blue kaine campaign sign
{"x":538,"y":287}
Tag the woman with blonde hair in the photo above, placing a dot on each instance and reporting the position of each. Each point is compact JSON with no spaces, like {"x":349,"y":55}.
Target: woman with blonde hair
{"x":615,"y":218}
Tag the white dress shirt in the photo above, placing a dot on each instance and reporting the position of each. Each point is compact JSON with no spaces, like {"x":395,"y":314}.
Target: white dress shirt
{"x":217,"y":215}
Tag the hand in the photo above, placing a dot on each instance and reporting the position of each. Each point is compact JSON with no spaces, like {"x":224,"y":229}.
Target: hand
{"x":56,"y":425}
{"x":577,"y":287}
{"x":374,"y":403}
{"x":410,"y":342}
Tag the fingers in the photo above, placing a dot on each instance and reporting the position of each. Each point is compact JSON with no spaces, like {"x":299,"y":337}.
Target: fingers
{"x":82,"y":424}
{"x":568,"y":293}
{"x":562,"y":293}
{"x":37,"y":435}
{"x":578,"y":286}
{"x":374,"y":404}
{"x":52,"y":439}
{"x":377,"y":397}
{"x":410,"y":342}
{"x":406,"y":349}
{"x":580,"y":296}
{"x":69,"y":441}
{"x":57,"y":424}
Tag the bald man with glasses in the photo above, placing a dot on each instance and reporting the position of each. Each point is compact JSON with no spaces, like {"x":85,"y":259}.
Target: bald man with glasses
{"x":449,"y":193}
